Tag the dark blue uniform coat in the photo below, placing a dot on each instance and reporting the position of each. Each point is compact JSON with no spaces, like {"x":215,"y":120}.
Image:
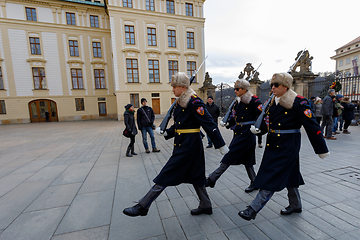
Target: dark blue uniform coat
{"x":187,"y":163}
{"x":242,"y":146}
{"x":280,"y":164}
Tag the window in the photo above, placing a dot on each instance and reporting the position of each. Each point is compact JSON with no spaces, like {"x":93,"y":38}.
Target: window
{"x":134,"y":99}
{"x":170,"y":6}
{"x":348,"y":61}
{"x":35,"y":46}
{"x":190,"y":40}
{"x":79,"y":102}
{"x":99,"y":79}
{"x":94,"y":21}
{"x":151,"y":36}
{"x":129,"y":34}
{"x":356,"y":58}
{"x":31,"y":14}
{"x":340,"y":62}
{"x":132,"y":70}
{"x":39,"y":78}
{"x":173,"y":68}
{"x":102,"y":109}
{"x":171,"y":38}
{"x":155,"y":95}
{"x":154,"y":75}
{"x":1,"y":80}
{"x":189,"y":9}
{"x":77,"y":78}
{"x":70,"y":18}
{"x":191,"y":67}
{"x":74,"y":48}
{"x":97,"y":49}
{"x":150,"y":5}
{"x":2,"y":107}
{"x":127,"y":3}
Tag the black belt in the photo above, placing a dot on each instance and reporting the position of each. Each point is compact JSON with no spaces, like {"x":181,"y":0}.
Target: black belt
{"x":284,"y":131}
{"x":245,"y":123}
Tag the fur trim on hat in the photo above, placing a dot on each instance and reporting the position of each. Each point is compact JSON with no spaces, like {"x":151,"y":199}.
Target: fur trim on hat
{"x":242,"y":83}
{"x":283,"y":79}
{"x":246,"y":98}
{"x":180,"y":79}
{"x":184,"y":98}
{"x":287,"y":99}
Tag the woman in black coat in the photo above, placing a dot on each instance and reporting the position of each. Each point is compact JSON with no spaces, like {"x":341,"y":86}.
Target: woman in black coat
{"x":129,"y":121}
{"x":347,"y":113}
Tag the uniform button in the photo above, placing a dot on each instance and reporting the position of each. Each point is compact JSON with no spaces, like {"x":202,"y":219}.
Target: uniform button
{"x":278,"y":135}
{"x":179,"y":145}
{"x":179,"y":122}
{"x":271,"y":123}
{"x":241,"y":125}
{"x":279,"y":124}
{"x":183,"y":110}
{"x":174,"y":144}
{"x":179,"y":133}
{"x":240,"y":133}
{"x":246,"y":108}
{"x":242,"y":117}
{"x":267,"y":145}
{"x":235,"y":133}
{"x":277,"y":146}
{"x":285,"y":112}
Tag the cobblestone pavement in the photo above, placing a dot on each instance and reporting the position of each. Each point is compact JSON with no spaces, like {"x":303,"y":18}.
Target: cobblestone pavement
{"x":71,"y":180}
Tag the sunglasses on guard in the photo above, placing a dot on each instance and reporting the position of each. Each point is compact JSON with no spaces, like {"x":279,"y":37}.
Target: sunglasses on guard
{"x":275,"y":85}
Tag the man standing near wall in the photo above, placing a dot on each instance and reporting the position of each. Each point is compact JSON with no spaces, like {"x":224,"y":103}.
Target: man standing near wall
{"x":327,"y":111}
{"x":214,"y":111}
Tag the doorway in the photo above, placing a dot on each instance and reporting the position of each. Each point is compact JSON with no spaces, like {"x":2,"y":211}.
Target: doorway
{"x":156,"y":105}
{"x":43,"y":111}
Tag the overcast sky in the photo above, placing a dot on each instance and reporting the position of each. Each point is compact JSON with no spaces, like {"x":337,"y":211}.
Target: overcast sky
{"x":272,"y":32}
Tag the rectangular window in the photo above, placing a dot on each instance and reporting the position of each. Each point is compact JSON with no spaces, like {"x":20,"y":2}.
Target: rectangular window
{"x":134,"y":99}
{"x":190,"y":40}
{"x":189,"y":9}
{"x":150,"y":5}
{"x":348,"y":61}
{"x":171,"y":38}
{"x":340,"y":62}
{"x":39,"y":78}
{"x":191,"y":68}
{"x":99,"y":79}
{"x":79,"y":102}
{"x":97,"y":49}
{"x":102,"y":109}
{"x":154,"y":76}
{"x":132,"y":70}
{"x":173,"y":68}
{"x":1,"y":80}
{"x":74,"y":48}
{"x":170,"y":6}
{"x":94,"y":21}
{"x":129,"y":34}
{"x":31,"y":14}
{"x":35,"y":46}
{"x":127,"y":3}
{"x":77,"y":78}
{"x":70,"y":18}
{"x":151,"y":36}
{"x":2,"y":107}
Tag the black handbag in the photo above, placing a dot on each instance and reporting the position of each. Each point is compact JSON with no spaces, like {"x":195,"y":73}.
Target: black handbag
{"x":127,"y":133}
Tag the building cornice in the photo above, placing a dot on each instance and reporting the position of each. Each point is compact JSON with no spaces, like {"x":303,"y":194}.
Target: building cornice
{"x":343,"y":54}
{"x":172,"y":52}
{"x":34,"y":59}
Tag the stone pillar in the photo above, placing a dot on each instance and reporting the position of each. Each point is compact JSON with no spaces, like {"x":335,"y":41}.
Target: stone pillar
{"x":208,"y":89}
{"x":301,"y":82}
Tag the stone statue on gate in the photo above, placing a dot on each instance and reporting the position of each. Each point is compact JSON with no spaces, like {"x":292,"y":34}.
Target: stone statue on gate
{"x":304,"y":63}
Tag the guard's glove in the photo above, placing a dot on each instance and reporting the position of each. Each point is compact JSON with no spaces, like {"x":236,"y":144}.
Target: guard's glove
{"x":161,"y":133}
{"x":323,"y":155}
{"x":224,"y":124}
{"x":224,"y":150}
{"x":254,"y":130}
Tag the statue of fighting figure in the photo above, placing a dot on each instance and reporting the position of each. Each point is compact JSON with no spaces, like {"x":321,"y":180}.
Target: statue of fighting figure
{"x":252,"y":74}
{"x":304,"y":62}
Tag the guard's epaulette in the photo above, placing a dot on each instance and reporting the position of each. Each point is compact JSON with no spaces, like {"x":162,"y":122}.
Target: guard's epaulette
{"x":255,"y":96}
{"x":194,"y":96}
{"x":299,"y":96}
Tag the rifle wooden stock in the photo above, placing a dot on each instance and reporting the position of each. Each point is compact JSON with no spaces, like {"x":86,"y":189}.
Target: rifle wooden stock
{"x":261,"y":116}
{"x":227,"y":115}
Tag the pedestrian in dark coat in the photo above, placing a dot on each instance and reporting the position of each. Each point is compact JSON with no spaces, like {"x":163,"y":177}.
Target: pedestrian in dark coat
{"x":130,"y":126}
{"x":327,"y":110}
{"x":242,"y":146}
{"x":214,"y":111}
{"x":187,"y":163}
{"x":347,"y":113}
{"x":280,"y":166}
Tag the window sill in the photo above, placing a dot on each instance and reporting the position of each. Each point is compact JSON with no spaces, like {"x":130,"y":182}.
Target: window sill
{"x":36,"y":59}
{"x":78,"y":89}
{"x":100,"y":89}
{"x":40,"y":89}
{"x":154,"y":82}
{"x":134,"y":82}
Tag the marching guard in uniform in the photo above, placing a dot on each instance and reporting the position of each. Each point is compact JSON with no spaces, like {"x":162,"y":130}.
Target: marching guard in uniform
{"x":280,"y":168}
{"x":242,"y":146}
{"x":187,"y":163}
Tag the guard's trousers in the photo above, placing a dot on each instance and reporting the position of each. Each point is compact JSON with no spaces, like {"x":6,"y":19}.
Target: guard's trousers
{"x":264,"y":196}
{"x":215,"y":175}
{"x":156,"y":190}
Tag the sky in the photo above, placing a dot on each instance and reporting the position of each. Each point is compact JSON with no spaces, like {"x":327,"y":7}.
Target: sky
{"x":272,"y":32}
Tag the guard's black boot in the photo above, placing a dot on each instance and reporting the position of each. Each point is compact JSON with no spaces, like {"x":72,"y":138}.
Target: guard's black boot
{"x":209,"y":183}
{"x":132,"y":151}
{"x":289,"y":210}
{"x":128,"y":154}
{"x":199,"y":210}
{"x":135,"y":211}
{"x":248,"y":214}
{"x":250,"y":188}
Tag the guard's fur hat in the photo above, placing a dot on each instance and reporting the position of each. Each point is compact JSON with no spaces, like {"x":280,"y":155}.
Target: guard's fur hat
{"x":180,"y":79}
{"x":242,"y":83}
{"x":283,"y":79}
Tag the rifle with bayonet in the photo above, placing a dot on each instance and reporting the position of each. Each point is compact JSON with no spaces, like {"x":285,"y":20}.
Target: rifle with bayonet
{"x":267,"y":103}
{"x":227,"y":115}
{"x":167,"y":118}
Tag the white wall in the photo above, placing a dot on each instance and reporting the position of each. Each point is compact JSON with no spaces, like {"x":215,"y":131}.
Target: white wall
{"x":15,"y":11}
{"x":44,"y":15}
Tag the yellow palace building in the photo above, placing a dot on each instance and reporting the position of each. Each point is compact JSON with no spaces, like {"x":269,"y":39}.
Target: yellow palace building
{"x":66,"y":60}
